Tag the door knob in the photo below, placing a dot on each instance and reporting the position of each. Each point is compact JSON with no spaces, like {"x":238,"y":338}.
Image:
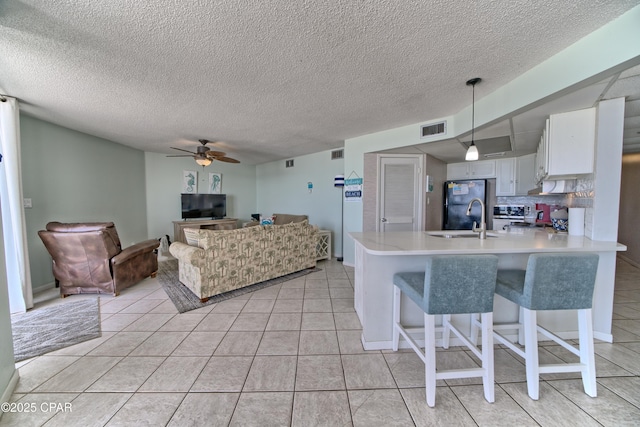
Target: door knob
{"x":384,"y":220}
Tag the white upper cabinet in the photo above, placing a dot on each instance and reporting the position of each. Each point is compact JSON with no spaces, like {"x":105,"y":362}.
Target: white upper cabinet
{"x":568,"y":145}
{"x":515,"y":176}
{"x":472,"y":170}
{"x":525,"y":174}
{"x":506,"y":177}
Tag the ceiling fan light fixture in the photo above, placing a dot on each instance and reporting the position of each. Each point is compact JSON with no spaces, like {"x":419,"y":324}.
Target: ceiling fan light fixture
{"x":203,"y":160}
{"x":472,"y":151}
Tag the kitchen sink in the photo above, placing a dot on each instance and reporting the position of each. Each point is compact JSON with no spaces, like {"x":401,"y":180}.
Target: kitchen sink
{"x":457,"y":234}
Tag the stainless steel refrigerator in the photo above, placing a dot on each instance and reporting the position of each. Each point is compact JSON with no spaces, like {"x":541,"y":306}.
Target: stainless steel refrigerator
{"x":457,"y":195}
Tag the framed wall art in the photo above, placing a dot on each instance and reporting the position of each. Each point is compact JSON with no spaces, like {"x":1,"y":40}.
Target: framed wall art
{"x":215,"y":183}
{"x":189,"y":182}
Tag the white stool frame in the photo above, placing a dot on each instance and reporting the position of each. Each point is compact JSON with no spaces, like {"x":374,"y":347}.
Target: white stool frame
{"x":428,"y":357}
{"x":528,"y":324}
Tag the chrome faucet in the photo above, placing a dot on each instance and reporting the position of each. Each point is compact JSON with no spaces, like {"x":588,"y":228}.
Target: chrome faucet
{"x":482,"y":230}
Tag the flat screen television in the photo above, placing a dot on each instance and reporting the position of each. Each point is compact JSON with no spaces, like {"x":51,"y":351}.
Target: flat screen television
{"x":204,"y":206}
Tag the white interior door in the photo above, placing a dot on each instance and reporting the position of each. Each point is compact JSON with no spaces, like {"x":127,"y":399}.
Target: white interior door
{"x":400,"y":192}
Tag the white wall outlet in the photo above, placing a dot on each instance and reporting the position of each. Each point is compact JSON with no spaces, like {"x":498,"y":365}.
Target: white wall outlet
{"x":27,"y":203}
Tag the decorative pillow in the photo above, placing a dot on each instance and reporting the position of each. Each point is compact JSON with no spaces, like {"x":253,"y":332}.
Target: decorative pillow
{"x":267,"y":221}
{"x":192,"y":235}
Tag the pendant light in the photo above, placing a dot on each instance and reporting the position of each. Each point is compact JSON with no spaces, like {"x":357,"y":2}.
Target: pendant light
{"x":472,"y":151}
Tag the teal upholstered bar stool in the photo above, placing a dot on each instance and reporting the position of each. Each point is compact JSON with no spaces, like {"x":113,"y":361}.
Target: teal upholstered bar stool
{"x":562,"y":281}
{"x":458,"y":284}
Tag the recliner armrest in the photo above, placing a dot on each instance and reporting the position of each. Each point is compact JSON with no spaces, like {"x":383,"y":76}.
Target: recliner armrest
{"x":134,"y":250}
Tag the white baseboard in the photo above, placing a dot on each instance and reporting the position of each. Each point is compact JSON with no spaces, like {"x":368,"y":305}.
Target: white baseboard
{"x":8,"y":391}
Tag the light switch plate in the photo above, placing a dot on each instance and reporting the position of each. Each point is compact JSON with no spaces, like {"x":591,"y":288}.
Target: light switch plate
{"x":27,"y":203}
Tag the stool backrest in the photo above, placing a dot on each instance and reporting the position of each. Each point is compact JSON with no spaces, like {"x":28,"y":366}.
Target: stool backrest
{"x":460,"y":284}
{"x":560,"y":281}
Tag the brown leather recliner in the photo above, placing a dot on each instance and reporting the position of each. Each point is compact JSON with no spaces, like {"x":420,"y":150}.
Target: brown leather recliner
{"x":88,"y":258}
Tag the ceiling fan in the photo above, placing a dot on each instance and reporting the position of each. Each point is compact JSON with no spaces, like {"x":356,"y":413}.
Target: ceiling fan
{"x":204,"y":156}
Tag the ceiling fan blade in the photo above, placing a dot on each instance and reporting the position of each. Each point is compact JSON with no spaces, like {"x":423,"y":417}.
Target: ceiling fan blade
{"x":215,"y":154}
{"x":227,"y":160}
{"x":180,"y":155}
{"x":180,"y":149}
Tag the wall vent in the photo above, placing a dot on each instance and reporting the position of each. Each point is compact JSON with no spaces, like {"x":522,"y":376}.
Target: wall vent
{"x":288,"y":163}
{"x":337,"y":154}
{"x":433,"y":129}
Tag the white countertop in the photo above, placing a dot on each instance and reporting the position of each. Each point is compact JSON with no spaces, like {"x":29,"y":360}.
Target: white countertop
{"x":497,"y":242}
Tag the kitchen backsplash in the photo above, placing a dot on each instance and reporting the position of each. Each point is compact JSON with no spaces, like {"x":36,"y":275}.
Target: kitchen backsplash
{"x":582,"y":198}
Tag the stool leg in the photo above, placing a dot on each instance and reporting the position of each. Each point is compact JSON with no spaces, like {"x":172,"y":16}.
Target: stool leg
{"x":446,"y":330}
{"x":530,"y":326}
{"x":473,"y":336}
{"x":520,"y":328}
{"x":430,"y":358}
{"x":487,"y":356}
{"x":396,"y":317}
{"x":587,"y":356}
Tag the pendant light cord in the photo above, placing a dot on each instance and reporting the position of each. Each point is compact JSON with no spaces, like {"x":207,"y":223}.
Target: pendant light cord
{"x":472,"y":83}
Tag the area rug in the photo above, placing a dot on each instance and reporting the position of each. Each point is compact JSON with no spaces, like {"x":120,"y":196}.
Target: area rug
{"x":185,"y":300}
{"x":50,"y":328}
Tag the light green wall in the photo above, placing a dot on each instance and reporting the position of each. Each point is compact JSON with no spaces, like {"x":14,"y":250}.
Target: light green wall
{"x":75,"y":177}
{"x":284,"y":190}
{"x":602,"y":53}
{"x":164,"y":185}
{"x":7,"y":363}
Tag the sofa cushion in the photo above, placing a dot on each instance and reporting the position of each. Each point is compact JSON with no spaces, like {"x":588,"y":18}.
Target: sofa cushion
{"x":281,"y":219}
{"x":192,"y":236}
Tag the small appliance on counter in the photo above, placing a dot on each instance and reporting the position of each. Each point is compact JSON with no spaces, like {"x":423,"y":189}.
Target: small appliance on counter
{"x":544,"y":213}
{"x":506,"y":215}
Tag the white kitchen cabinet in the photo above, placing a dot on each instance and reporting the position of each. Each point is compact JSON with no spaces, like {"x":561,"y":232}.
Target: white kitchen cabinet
{"x":525,"y":174}
{"x":472,"y":170}
{"x":458,"y":171}
{"x":571,"y":143}
{"x":567,"y":146}
{"x":541,"y":155}
{"x":515,"y":176}
{"x":506,"y":177}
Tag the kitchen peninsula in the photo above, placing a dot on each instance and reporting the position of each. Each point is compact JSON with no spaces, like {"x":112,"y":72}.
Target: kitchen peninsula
{"x":378,"y":256}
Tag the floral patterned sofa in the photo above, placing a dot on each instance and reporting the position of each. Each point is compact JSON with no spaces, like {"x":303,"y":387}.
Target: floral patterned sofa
{"x":218,"y":261}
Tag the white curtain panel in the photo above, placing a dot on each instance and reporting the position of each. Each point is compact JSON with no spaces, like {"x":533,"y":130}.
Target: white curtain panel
{"x":13,"y":219}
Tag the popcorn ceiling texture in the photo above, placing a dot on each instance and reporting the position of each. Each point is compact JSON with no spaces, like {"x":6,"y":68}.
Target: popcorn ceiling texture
{"x":272,"y":79}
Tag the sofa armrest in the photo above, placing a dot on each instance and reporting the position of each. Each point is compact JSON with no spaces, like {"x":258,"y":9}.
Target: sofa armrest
{"x":185,"y":253}
{"x":135,"y":250}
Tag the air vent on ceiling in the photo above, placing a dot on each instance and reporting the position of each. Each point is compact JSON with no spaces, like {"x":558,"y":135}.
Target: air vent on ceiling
{"x":337,"y":154}
{"x":288,"y":163}
{"x":433,"y":129}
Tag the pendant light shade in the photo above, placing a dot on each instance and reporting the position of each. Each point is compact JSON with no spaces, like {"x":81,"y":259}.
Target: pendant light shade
{"x":472,"y":151}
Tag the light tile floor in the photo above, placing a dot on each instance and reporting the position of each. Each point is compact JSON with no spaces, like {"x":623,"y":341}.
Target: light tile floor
{"x":291,"y":355}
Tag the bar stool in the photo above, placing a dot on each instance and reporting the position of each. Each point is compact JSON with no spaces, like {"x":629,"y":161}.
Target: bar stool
{"x":458,"y":284}
{"x":559,"y":281}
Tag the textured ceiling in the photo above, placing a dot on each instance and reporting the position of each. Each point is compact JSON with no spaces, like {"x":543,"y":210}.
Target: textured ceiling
{"x":271,"y":79}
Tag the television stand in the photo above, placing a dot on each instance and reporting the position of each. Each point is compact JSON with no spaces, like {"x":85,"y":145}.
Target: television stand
{"x":211,"y":224}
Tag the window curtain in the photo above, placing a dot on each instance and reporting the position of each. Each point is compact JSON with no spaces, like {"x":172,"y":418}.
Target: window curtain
{"x":13,"y":219}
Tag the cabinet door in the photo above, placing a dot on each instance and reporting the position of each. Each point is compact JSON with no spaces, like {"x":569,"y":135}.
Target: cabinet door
{"x":571,"y":143}
{"x":525,"y":174}
{"x":505,"y":177}
{"x":482,"y":169}
{"x":458,"y":170}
